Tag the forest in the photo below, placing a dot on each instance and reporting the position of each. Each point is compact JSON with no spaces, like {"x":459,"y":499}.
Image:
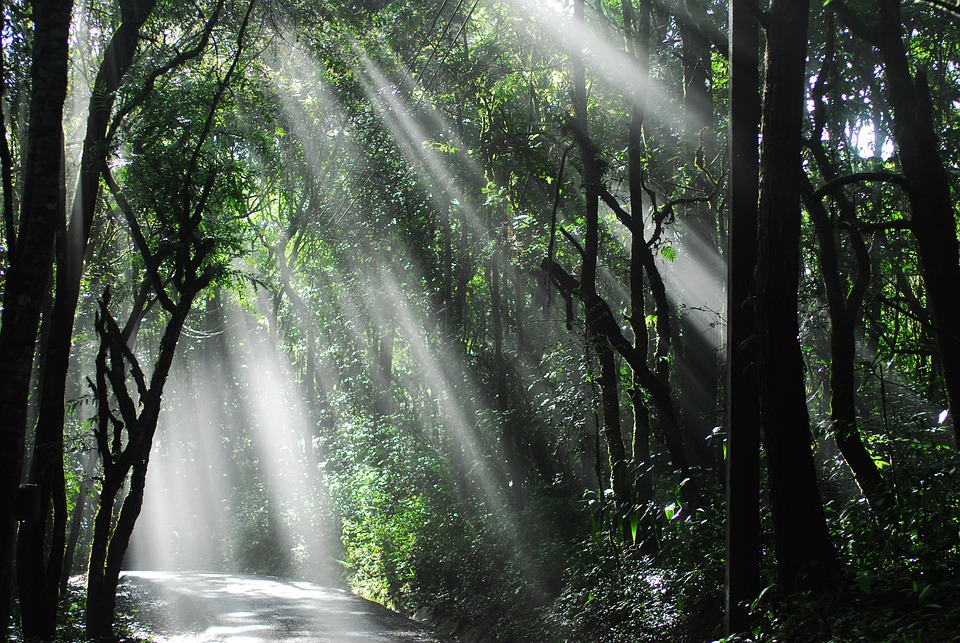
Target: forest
{"x":558,"y":320}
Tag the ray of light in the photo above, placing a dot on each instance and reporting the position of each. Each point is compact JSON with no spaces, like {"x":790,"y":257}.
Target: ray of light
{"x":182,"y":525}
{"x":595,"y":42}
{"x":388,"y":305}
{"x":279,"y":420}
{"x":412,"y":139}
{"x":201,"y":481}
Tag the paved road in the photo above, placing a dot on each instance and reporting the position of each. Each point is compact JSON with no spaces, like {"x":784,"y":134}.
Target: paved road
{"x":202,"y":607}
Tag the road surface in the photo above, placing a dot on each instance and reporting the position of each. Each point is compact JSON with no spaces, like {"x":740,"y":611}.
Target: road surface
{"x":202,"y":607}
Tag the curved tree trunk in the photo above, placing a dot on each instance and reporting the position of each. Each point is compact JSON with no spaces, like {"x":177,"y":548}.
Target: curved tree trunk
{"x":844,"y":302}
{"x":844,"y":312}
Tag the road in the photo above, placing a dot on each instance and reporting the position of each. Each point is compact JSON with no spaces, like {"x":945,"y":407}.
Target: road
{"x":202,"y":607}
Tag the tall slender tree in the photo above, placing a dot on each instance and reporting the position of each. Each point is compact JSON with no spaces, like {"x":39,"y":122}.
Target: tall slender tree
{"x":177,"y":272}
{"x":932,"y":208}
{"x":38,"y":576}
{"x":30,"y":260}
{"x":805,"y":555}
{"x":743,"y":411}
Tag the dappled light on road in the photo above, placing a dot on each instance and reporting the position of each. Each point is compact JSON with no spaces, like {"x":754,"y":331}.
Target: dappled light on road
{"x":195,"y":607}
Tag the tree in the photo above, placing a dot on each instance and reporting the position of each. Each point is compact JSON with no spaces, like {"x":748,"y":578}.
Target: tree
{"x":30,"y":260}
{"x":39,"y":579}
{"x":805,"y":555}
{"x":592,"y":177}
{"x":933,"y":217}
{"x":743,"y":412}
{"x":844,"y":300}
{"x":607,"y":337}
{"x":190,"y":257}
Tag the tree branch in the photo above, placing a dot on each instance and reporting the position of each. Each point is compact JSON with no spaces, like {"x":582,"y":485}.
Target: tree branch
{"x":868,"y":32}
{"x":556,"y":204}
{"x":948,"y":6}
{"x":886,"y":177}
{"x":171,"y":64}
{"x":215,"y":105}
{"x":611,"y":201}
{"x":700,"y":22}
{"x":151,"y":263}
{"x":572,"y":240}
{"x":894,"y":224}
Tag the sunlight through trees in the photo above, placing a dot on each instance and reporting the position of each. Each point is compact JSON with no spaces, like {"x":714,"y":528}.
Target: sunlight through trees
{"x":544,"y":320}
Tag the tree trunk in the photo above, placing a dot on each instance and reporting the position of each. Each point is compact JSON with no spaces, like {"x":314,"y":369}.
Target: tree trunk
{"x":446,"y":265}
{"x":609,"y":373}
{"x":30,"y":262}
{"x":463,"y":273}
{"x":843,"y":416}
{"x":931,"y":207}
{"x":120,"y":539}
{"x":99,"y":600}
{"x":696,"y":355}
{"x":804,"y":552}
{"x":42,"y":575}
{"x":310,"y":397}
{"x":743,"y":412}
{"x":636,"y":27}
{"x":37,"y":584}
{"x":76,"y":520}
{"x":601,"y":317}
{"x":383,"y":373}
{"x":109,"y":547}
{"x":697,"y":74}
{"x":508,"y":428}
{"x":6,"y":171}
{"x":844,"y":313}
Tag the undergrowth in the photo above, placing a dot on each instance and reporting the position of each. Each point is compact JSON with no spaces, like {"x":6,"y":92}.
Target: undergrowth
{"x":71,"y":619}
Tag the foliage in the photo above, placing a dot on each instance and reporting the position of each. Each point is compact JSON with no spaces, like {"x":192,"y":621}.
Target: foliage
{"x":382,"y":386}
{"x":70,"y":627}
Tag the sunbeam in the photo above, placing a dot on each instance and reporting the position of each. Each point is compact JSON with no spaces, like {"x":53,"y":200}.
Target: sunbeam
{"x":413,"y":142}
{"x":595,"y":41}
{"x":536,"y":320}
{"x":242,"y":402}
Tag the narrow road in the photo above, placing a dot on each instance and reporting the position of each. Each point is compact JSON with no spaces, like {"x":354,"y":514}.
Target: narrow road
{"x":202,"y":607}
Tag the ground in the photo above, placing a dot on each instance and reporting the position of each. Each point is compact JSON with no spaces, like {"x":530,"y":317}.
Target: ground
{"x":202,"y":607}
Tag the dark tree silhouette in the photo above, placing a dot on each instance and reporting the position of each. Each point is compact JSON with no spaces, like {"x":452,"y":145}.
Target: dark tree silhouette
{"x":30,"y":260}
{"x":805,"y":555}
